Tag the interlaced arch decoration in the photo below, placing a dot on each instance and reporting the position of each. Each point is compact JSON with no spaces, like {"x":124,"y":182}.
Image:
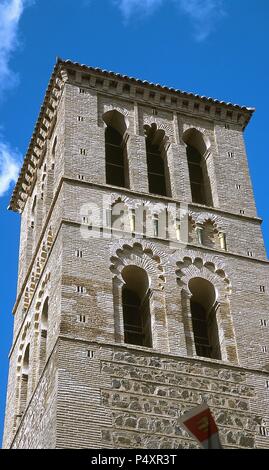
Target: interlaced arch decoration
{"x":144,"y":255}
{"x":38,"y":268}
{"x":25,"y":339}
{"x":42,"y":294}
{"x":202,"y":220}
{"x":217,"y":221}
{"x":134,"y":203}
{"x":142,"y":217}
{"x":116,"y":198}
{"x":209,"y":267}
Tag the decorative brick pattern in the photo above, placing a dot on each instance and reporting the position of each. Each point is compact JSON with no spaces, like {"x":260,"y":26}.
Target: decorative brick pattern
{"x":85,"y":387}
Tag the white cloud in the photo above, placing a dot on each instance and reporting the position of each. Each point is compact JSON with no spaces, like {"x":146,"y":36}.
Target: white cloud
{"x":10,"y":14}
{"x":10,"y":162}
{"x":134,"y":7}
{"x":204,"y":15}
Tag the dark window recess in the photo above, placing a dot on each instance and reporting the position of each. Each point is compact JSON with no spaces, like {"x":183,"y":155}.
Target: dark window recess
{"x":264,"y":431}
{"x":204,"y":321}
{"x":136,"y":315}
{"x":156,"y":170}
{"x":139,"y":92}
{"x":200,"y":330}
{"x":126,"y":88}
{"x":99,"y":82}
{"x":113,"y":84}
{"x":202,"y":325}
{"x":115,"y":161}
{"x":196,"y":175}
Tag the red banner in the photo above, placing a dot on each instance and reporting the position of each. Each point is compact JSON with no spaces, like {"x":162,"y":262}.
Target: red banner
{"x":200,"y":423}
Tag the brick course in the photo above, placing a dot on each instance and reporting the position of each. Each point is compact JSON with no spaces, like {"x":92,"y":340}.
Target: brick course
{"x":93,"y":390}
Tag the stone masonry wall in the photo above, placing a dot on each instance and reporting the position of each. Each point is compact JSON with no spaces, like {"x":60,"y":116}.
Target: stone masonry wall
{"x":123,"y":397}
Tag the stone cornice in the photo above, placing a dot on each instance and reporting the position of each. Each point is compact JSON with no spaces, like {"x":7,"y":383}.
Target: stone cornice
{"x":144,"y":84}
{"x":37,"y":147}
{"x":121,"y":86}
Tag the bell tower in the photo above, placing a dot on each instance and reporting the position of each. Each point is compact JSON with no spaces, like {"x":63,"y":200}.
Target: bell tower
{"x":143,"y":278}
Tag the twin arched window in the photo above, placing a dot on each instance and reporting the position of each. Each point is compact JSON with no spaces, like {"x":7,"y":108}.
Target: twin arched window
{"x":117,"y":171}
{"x":137,"y":317}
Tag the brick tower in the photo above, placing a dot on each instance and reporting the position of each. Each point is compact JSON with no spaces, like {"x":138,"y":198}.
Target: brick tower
{"x":143,"y":279}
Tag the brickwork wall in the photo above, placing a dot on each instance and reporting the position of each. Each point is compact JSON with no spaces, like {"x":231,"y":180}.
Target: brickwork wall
{"x":126,"y":398}
{"x":28,"y":331}
{"x":89,"y":389}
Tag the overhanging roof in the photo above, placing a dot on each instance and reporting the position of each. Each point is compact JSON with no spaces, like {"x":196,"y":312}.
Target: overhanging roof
{"x":46,"y":118}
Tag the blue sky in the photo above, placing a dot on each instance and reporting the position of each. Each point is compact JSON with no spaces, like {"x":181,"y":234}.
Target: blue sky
{"x":217,"y":48}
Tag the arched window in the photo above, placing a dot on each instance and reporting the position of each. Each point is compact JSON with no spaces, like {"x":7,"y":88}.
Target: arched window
{"x":24,"y":380}
{"x":43,"y":334}
{"x":158,"y":174}
{"x":197,"y":147}
{"x":53,"y":152}
{"x":204,"y":322}
{"x":33,"y":212}
{"x":117,"y":172}
{"x":136,"y":307}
